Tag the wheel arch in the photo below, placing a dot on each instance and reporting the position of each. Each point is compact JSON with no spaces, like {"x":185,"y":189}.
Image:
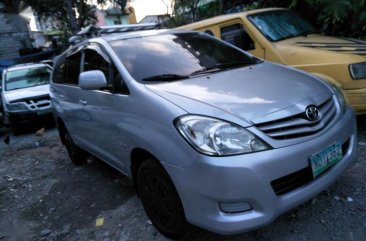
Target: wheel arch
{"x":139,"y":156}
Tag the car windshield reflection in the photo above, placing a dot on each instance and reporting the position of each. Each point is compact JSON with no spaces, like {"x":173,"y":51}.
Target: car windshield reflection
{"x":177,"y":56}
{"x":283,"y":24}
{"x":25,"y":78}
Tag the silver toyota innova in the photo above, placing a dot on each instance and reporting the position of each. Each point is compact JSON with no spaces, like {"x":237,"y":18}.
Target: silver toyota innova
{"x":210,"y":135}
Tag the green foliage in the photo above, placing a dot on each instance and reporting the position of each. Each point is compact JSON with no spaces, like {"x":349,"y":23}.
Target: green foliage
{"x":335,"y":17}
{"x":336,"y":10}
{"x":187,"y":11}
{"x":188,"y":8}
{"x":251,"y":6}
{"x":340,"y":17}
{"x":63,"y":10}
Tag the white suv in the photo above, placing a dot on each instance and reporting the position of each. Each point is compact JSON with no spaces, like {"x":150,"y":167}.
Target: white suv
{"x":25,"y":93}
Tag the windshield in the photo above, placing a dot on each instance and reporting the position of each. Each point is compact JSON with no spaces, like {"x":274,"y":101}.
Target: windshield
{"x":278,"y":25}
{"x":24,"y":78}
{"x":177,"y":56}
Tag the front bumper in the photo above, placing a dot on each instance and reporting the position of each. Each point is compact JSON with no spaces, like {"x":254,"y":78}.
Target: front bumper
{"x":357,"y":98}
{"x":210,"y":181}
{"x":25,"y":116}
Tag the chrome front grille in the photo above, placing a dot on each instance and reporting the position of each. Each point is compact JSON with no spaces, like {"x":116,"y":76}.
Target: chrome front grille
{"x":45,"y":98}
{"x":39,"y":103}
{"x":36,"y":103}
{"x":298,"y":125}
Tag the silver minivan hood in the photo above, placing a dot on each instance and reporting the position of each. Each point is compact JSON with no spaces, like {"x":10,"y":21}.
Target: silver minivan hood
{"x":20,"y":94}
{"x":247,"y":93}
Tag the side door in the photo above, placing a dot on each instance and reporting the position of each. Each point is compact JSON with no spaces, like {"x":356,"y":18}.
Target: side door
{"x":66,"y":93}
{"x":236,"y":34}
{"x":101,"y":130}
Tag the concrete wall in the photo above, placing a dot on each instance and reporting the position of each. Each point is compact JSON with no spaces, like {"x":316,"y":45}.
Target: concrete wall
{"x":14,"y":35}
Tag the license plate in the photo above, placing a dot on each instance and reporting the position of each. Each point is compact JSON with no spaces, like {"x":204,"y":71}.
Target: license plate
{"x":321,"y":161}
{"x":43,"y":112}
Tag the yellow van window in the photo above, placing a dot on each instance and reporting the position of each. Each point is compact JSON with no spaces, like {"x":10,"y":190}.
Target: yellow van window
{"x":236,"y":35}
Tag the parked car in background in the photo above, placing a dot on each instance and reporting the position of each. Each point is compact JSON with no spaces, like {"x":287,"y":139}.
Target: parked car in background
{"x":25,"y":93}
{"x":210,"y":135}
{"x":1,"y":105}
{"x":282,"y":36}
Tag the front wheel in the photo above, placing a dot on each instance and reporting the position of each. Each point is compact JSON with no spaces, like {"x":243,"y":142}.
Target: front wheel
{"x":77,"y":155}
{"x":160,"y":200}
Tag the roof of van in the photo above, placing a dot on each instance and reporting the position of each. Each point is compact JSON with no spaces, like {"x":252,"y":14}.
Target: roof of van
{"x":145,"y":33}
{"x":26,"y":66}
{"x":227,"y":17}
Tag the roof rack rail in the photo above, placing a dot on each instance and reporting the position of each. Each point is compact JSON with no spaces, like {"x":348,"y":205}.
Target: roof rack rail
{"x":94,"y":31}
{"x":128,"y":28}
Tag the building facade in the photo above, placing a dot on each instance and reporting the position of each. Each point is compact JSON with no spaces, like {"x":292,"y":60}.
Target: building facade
{"x":14,"y":35}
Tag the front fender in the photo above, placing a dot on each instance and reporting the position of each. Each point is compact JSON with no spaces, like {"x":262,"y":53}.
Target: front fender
{"x":332,"y":81}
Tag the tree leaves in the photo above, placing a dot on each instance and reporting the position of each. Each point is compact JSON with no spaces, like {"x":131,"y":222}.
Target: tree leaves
{"x":336,"y":10}
{"x":74,"y":14}
{"x":340,"y":17}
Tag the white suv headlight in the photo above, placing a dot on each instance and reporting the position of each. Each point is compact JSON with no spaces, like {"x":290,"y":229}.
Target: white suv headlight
{"x":338,"y":92}
{"x":218,"y":138}
{"x":16,"y":106}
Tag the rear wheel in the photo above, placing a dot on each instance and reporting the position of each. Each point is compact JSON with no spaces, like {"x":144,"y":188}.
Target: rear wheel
{"x":160,"y":200}
{"x":77,"y":155}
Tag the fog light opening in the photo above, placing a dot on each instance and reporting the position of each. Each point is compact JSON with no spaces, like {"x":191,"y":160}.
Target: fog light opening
{"x":235,"y":207}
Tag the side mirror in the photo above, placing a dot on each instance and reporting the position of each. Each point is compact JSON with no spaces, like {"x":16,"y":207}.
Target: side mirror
{"x":92,"y":80}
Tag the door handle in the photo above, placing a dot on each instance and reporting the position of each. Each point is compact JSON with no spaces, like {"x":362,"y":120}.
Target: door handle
{"x":83,"y":102}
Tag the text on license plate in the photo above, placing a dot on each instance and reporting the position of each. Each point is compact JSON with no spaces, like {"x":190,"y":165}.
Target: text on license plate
{"x":321,"y":161}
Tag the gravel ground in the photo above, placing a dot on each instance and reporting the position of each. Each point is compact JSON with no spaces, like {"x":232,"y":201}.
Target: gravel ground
{"x":44,"y":197}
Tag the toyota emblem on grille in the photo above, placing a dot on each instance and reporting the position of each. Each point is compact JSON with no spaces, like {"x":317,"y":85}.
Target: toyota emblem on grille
{"x":312,"y":113}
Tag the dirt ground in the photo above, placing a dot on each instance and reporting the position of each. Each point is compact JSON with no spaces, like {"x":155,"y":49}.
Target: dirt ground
{"x":43,"y":196}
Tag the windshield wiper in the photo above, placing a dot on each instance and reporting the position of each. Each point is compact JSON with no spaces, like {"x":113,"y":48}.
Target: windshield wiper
{"x":221,"y":66}
{"x":163,"y":77}
{"x":234,"y":64}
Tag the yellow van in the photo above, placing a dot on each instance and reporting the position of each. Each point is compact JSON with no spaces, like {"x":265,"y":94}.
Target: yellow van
{"x":282,"y":36}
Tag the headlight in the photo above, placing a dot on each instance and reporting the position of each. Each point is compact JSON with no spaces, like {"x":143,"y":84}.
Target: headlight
{"x":218,"y":138}
{"x":358,"y":71}
{"x":16,"y":107}
{"x":340,"y":96}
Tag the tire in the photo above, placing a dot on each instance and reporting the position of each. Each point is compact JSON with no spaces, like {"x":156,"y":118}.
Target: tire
{"x":161,"y":200}
{"x":15,"y":129}
{"x":77,"y":155}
